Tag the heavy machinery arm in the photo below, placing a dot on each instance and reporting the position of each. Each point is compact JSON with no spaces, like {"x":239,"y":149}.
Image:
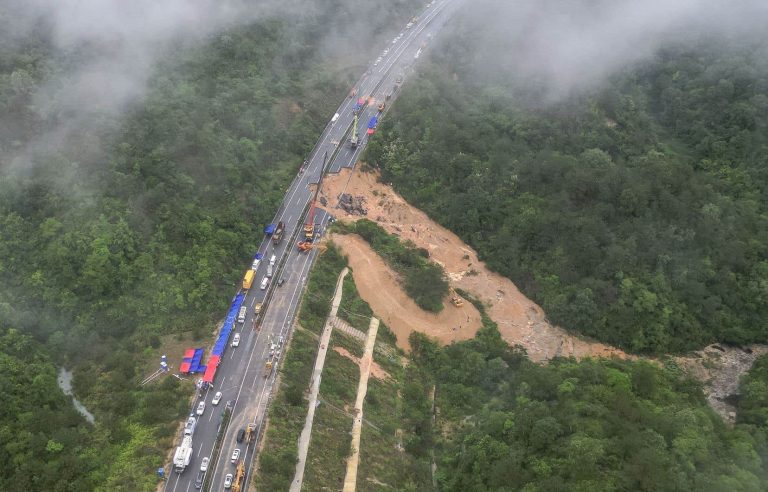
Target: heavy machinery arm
{"x":309,"y":227}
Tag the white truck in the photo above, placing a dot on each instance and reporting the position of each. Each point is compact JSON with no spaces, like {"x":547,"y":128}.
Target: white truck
{"x":183,"y":455}
{"x":189,"y":427}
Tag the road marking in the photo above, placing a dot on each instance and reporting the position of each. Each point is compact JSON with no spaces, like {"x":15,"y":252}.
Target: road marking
{"x":296,"y":185}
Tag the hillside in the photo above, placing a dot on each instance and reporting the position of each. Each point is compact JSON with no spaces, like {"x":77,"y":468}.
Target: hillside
{"x":130,"y":203}
{"x":634,"y":213}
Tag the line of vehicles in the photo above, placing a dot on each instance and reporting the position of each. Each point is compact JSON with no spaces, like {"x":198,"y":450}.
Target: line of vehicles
{"x":308,"y":235}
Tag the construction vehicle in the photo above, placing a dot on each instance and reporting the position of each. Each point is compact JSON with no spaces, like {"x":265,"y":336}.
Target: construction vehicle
{"x":248,"y":279}
{"x":277,"y":235}
{"x":353,"y":92}
{"x":250,"y":433}
{"x":239,"y":476}
{"x":354,"y":139}
{"x":268,"y":367}
{"x":309,"y":227}
{"x":183,"y":455}
{"x":455,"y":299}
{"x":381,"y":107}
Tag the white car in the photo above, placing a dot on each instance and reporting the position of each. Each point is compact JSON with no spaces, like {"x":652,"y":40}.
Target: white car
{"x":228,"y":481}
{"x":216,"y":398}
{"x":201,"y":408}
{"x":204,"y":464}
{"x":236,"y":340}
{"x":409,"y":25}
{"x":386,"y":50}
{"x":235,"y":455}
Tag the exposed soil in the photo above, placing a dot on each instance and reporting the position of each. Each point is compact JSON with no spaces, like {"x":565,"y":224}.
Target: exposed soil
{"x":520,"y":320}
{"x":379,"y":286}
{"x":376,"y":370}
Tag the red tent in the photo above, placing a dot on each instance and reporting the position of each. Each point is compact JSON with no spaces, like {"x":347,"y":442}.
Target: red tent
{"x":210,"y":371}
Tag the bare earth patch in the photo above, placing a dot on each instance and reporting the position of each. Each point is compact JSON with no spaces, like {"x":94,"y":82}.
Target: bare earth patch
{"x":520,"y":320}
{"x":379,"y":286}
{"x":376,"y":370}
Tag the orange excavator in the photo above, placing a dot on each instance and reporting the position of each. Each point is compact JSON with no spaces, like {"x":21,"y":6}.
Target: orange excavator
{"x":309,"y":227}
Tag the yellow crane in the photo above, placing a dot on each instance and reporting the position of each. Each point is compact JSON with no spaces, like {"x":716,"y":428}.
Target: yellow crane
{"x":239,"y":474}
{"x":309,"y":227}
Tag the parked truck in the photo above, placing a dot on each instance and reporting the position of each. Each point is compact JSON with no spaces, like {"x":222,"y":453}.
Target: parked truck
{"x":248,"y":279}
{"x":277,"y":236}
{"x":183,"y":455}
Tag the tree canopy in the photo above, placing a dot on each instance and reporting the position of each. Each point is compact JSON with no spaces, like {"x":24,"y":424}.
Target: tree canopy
{"x":635,"y":213}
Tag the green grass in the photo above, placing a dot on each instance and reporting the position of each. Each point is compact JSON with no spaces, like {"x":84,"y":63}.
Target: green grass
{"x":286,"y":416}
{"x":382,"y":466}
{"x":287,"y":413}
{"x":331,"y":439}
{"x":352,"y":344}
{"x":353,"y":308}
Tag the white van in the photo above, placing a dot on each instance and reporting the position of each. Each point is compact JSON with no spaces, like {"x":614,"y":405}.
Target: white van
{"x":335,"y":117}
{"x":272,"y":260}
{"x":236,"y":340}
{"x":241,"y":314}
{"x":264,"y":283}
{"x":255,"y":265}
{"x":269,"y":271}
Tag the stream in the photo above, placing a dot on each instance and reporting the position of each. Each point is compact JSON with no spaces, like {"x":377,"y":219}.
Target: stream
{"x":65,"y":383}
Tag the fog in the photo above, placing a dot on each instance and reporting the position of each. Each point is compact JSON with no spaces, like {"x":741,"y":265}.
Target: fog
{"x":111,"y":48}
{"x":574,"y":45}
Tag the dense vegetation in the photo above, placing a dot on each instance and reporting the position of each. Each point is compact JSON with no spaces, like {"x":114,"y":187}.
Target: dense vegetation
{"x":277,"y":461}
{"x":141,"y":228}
{"x":753,"y":398}
{"x":505,"y":423}
{"x":635,"y":214}
{"x":423,"y":280}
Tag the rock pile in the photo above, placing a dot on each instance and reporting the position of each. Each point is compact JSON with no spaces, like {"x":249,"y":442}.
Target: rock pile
{"x":354,"y":205}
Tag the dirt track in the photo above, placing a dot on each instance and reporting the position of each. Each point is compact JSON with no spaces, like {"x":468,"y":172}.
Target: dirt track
{"x":520,"y":320}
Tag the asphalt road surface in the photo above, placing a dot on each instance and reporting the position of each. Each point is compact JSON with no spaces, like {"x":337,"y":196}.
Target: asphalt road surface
{"x":242,"y":376}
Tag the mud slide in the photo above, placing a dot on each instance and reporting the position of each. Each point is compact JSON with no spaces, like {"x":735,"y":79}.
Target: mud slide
{"x":520,"y":320}
{"x":379,"y":286}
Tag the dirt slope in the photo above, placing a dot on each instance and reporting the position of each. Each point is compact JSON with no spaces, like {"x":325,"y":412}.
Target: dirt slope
{"x":520,"y":320}
{"x":378,"y":285}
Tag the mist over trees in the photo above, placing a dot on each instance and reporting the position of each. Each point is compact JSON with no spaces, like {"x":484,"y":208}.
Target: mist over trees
{"x":634,"y":212}
{"x":122,"y":225}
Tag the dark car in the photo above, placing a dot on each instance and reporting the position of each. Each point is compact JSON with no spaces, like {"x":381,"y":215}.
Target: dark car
{"x":199,"y":481}
{"x":280,"y":282}
{"x":240,"y":435}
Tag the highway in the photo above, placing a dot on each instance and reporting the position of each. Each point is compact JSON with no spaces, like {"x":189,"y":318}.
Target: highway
{"x":242,"y":376}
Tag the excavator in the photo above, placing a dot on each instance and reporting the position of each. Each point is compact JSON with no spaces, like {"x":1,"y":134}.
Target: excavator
{"x":455,"y":299}
{"x":309,"y":227}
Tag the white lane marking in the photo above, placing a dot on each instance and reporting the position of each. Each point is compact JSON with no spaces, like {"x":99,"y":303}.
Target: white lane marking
{"x":267,"y":384}
{"x":234,"y":405}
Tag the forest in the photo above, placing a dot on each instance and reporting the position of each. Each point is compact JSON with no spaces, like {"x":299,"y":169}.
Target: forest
{"x":138,"y":226}
{"x":634,"y":213}
{"x":504,"y":423}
